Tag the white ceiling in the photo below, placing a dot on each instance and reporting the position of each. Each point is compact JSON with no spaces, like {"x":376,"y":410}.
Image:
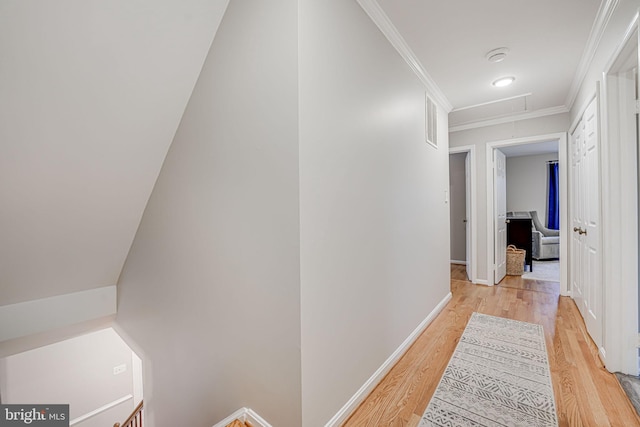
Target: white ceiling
{"x":532,"y":149}
{"x":546,"y":39}
{"x":91,"y":94}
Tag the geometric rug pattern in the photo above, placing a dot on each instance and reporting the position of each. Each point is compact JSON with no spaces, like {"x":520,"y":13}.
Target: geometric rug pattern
{"x":498,"y":375}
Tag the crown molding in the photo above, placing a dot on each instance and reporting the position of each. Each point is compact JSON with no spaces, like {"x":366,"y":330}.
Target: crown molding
{"x":382,"y":21}
{"x":510,"y":118}
{"x":607,"y":7}
{"x":631,"y":29}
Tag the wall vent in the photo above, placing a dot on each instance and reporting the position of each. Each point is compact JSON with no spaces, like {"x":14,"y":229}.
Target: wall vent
{"x":431,"y":121}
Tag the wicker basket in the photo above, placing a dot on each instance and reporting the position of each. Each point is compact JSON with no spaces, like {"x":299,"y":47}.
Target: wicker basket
{"x":515,"y":261}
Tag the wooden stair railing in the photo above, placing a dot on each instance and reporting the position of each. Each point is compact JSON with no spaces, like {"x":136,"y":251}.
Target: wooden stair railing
{"x":134,"y":420}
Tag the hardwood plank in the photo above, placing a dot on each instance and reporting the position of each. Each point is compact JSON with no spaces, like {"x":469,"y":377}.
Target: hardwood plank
{"x":586,"y":393}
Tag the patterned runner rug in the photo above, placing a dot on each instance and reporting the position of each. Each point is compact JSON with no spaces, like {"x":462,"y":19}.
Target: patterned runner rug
{"x":498,"y":375}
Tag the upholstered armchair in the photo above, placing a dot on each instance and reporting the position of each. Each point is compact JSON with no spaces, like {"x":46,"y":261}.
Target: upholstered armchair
{"x":546,"y":242}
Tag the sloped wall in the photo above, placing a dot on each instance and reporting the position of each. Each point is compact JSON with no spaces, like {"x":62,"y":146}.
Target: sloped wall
{"x":210,"y":291}
{"x":374,"y":222}
{"x":91,"y":98}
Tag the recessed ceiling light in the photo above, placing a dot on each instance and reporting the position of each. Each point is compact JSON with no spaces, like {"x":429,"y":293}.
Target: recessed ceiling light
{"x":497,"y":55}
{"x":503,"y":81}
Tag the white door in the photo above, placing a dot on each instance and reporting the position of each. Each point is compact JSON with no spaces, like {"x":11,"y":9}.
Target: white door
{"x":467,"y":220}
{"x":577,"y":213}
{"x":585,"y":251}
{"x":592,"y":284}
{"x":500,"y":214}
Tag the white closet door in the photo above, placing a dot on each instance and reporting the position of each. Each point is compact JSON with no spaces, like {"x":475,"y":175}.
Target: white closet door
{"x":586,"y":277}
{"x":591,"y":236}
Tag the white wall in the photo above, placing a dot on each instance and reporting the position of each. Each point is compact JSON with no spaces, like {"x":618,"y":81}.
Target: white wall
{"x":210,"y":292}
{"x":457,"y":208}
{"x":480,"y":137}
{"x":78,"y":372}
{"x":527,"y":184}
{"x":374,"y":223}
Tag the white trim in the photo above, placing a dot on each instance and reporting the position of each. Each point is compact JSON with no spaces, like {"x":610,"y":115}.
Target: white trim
{"x":603,"y":353}
{"x":457,"y":262}
{"x":137,"y":377}
{"x":605,"y":12}
{"x":482,"y":282}
{"x":473,"y":256}
{"x":562,"y":158}
{"x":632,"y":28}
{"x":373,"y":381}
{"x":619,"y":162}
{"x":31,"y":317}
{"x":244,"y":414}
{"x":482,"y":104}
{"x":100,"y":410}
{"x":491,"y":266}
{"x":565,"y":164}
{"x":382,"y":21}
{"x":510,"y":118}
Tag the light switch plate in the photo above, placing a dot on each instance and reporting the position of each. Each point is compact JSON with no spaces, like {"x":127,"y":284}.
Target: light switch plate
{"x":119,"y":369}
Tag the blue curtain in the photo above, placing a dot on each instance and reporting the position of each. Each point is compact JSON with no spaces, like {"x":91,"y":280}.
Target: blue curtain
{"x":553,"y":213}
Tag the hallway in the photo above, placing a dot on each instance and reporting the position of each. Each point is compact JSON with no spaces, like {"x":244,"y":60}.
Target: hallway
{"x":586,"y":394}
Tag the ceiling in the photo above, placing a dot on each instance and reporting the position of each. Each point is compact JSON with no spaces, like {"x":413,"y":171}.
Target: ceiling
{"x":546,"y":40}
{"x":533,"y":149}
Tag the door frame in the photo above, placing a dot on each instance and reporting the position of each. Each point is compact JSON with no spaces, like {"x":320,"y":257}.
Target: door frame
{"x":472,"y":256}
{"x":620,"y":237}
{"x":562,"y":139}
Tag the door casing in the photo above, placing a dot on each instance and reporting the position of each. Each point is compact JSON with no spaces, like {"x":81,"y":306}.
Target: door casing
{"x":564,"y":221}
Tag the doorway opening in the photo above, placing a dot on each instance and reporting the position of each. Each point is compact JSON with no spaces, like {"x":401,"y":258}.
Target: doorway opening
{"x":532,"y":193}
{"x":529,"y":193}
{"x":462,"y":191}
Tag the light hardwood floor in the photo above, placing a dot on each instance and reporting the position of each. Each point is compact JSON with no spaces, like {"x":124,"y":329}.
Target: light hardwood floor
{"x":586,"y":394}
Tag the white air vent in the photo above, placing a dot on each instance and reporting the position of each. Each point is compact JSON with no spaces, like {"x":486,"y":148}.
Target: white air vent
{"x":431,"y":121}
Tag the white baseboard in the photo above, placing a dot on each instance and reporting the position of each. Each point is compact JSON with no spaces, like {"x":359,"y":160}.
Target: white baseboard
{"x":454,"y":261}
{"x":373,"y":381}
{"x":100,"y":410}
{"x":244,"y":414}
{"x":482,"y":282}
{"x":603,"y":355}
